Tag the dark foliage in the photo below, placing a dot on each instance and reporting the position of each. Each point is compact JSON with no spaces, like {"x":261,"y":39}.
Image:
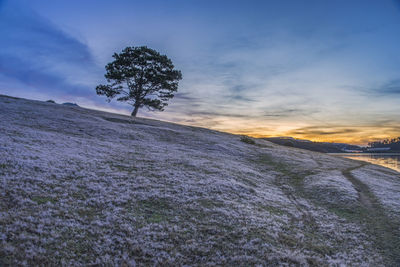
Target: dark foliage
{"x":70,"y":104}
{"x":141,"y":77}
{"x":248,"y":140}
{"x":394,"y":143}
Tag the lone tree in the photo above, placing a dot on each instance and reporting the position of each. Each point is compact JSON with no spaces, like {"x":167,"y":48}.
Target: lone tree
{"x":142,"y":77}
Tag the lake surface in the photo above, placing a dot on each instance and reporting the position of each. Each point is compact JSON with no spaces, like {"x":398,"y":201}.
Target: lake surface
{"x":388,"y":160}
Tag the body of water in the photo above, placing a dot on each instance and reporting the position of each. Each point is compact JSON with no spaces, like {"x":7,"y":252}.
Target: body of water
{"x":388,"y":160}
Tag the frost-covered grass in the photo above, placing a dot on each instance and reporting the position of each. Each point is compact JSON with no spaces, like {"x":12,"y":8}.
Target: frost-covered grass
{"x":81,"y":187}
{"x":384,"y":184}
{"x":331,"y":187}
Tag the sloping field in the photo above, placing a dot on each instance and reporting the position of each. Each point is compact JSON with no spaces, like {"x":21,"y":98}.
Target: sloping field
{"x":81,"y":187}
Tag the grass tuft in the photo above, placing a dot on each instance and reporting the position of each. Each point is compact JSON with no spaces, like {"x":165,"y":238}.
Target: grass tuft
{"x":247,"y":140}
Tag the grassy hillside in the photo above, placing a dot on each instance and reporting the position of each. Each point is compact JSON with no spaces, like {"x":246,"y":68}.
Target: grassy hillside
{"x":80,"y":187}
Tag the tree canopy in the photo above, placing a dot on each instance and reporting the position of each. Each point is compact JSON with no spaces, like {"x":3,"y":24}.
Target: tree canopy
{"x":393,"y":143}
{"x":141,"y":77}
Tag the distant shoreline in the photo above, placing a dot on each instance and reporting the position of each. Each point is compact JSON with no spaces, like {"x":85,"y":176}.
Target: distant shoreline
{"x":388,"y":160}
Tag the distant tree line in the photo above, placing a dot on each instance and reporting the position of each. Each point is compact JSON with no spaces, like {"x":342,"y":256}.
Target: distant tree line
{"x":393,"y":143}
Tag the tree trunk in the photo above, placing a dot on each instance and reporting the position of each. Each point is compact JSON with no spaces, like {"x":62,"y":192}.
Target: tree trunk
{"x":135,"y":110}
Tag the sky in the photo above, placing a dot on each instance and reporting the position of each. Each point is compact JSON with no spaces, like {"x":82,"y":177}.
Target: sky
{"x":319,"y":70}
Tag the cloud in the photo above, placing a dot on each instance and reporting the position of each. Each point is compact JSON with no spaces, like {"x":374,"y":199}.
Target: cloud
{"x":185,"y":96}
{"x":289,"y":112}
{"x":238,"y":88}
{"x":240,"y":98}
{"x":14,"y":67}
{"x":36,"y":53}
{"x":390,"y":88}
{"x":322,"y":130}
{"x":212,"y":114}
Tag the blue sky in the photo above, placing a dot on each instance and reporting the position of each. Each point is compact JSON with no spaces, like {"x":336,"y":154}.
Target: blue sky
{"x":323,"y":70}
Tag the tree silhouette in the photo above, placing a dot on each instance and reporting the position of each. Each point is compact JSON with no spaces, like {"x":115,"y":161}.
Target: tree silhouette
{"x":141,"y":77}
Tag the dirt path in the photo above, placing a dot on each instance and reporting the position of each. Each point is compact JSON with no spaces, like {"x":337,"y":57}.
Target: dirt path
{"x":385,"y":231}
{"x":362,"y":189}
